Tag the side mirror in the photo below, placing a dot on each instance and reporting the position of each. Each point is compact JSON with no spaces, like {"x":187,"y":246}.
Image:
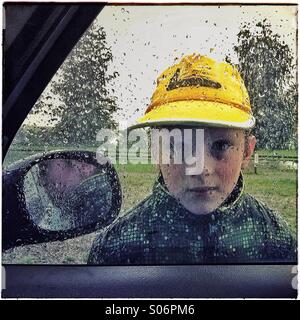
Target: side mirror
{"x":57,"y":196}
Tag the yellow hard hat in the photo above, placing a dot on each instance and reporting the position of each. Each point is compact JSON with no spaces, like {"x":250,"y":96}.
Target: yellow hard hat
{"x":199,"y":91}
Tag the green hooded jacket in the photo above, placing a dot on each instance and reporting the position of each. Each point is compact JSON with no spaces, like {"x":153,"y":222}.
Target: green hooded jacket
{"x":159,"y":230}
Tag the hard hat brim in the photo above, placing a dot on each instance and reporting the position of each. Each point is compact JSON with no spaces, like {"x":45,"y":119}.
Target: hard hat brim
{"x":196,"y":113}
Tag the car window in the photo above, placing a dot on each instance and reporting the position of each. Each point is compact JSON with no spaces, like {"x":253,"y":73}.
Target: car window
{"x":105,"y":86}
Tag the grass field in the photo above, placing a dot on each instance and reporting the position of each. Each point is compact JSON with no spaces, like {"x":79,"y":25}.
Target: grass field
{"x":277,"y":188}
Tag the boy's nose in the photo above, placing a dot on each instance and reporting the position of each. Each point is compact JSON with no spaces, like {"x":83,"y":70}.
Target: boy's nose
{"x":208,"y":166}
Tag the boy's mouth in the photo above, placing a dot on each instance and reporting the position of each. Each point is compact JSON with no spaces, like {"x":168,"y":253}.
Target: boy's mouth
{"x":202,"y":190}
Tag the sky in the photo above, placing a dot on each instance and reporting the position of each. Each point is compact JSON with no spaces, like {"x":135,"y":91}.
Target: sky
{"x":145,"y":40}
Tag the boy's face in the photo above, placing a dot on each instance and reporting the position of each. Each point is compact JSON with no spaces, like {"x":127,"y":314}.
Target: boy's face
{"x":225,"y":153}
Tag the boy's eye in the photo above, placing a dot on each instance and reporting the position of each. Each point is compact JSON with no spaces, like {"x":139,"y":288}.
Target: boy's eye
{"x":219,"y":147}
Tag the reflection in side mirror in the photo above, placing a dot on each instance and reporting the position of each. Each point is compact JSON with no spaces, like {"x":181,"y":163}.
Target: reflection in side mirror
{"x":56,"y":196}
{"x":63,"y":194}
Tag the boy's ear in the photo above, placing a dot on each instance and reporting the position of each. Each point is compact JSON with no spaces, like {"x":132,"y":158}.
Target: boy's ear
{"x":249,"y":149}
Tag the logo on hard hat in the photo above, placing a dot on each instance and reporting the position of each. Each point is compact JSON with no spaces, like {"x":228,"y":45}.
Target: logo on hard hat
{"x":198,"y":81}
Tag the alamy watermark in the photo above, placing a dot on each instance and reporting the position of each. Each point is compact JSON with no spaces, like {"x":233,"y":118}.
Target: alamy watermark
{"x":153,"y":146}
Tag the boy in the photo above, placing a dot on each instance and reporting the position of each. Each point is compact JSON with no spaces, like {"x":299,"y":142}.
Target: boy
{"x":202,"y":217}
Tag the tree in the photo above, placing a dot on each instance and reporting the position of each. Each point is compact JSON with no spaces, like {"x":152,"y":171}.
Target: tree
{"x":79,"y":101}
{"x":266,"y":65}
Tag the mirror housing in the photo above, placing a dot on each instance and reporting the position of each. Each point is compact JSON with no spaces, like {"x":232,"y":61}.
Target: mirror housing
{"x":18,"y":225}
